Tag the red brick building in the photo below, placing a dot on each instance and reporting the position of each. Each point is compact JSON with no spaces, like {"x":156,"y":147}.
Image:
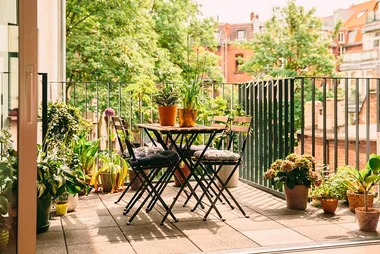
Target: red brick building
{"x":231,"y":55}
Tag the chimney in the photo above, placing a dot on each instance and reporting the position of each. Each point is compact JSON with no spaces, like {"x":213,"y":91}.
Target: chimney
{"x":252,"y":16}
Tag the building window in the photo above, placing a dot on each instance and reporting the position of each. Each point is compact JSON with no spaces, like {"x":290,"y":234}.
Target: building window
{"x":361,"y":14}
{"x":376,"y":43}
{"x":241,"y":34}
{"x":341,"y":37}
{"x":217,"y":35}
{"x":239,"y":60}
{"x":352,"y":36}
{"x":341,"y":51}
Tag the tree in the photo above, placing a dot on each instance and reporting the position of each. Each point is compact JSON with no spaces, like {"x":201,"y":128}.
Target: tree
{"x":291,"y":45}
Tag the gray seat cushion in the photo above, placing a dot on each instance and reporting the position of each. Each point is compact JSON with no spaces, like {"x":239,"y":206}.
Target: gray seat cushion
{"x":218,"y":155}
{"x":166,"y":157}
{"x":144,"y":151}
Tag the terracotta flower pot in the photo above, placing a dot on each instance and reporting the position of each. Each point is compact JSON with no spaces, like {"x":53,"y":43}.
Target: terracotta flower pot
{"x":137,"y":182}
{"x":167,"y":115}
{"x":357,"y":200}
{"x":329,"y":205}
{"x":178,"y":182}
{"x":296,"y":198}
{"x":187,"y":117}
{"x":106,"y":182}
{"x":367,"y":220}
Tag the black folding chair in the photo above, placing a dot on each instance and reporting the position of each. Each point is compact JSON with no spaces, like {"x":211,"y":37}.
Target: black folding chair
{"x":140,"y":161}
{"x":217,"y":121}
{"x":216,"y":159}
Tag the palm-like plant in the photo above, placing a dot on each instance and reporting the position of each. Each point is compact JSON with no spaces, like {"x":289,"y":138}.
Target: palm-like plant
{"x":114,"y":165}
{"x":190,"y":92}
{"x":363,"y":180}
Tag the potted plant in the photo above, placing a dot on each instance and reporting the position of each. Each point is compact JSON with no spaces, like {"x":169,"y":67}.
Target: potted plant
{"x":4,"y":222}
{"x":329,"y":191}
{"x":296,"y":175}
{"x":112,"y":173}
{"x":61,"y":204}
{"x":366,"y":178}
{"x":166,"y":99}
{"x":354,"y":190}
{"x":190,"y":92}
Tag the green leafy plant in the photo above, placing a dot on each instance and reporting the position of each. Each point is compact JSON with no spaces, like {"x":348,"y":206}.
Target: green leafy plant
{"x":85,"y":152}
{"x":362,"y":181}
{"x":190,"y":93}
{"x":8,"y":166}
{"x":62,"y":199}
{"x":65,"y":122}
{"x":114,"y":165}
{"x":330,"y":187}
{"x":294,"y":170}
{"x":166,"y":96}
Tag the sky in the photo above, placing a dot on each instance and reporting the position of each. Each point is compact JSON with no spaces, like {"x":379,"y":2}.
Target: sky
{"x":238,"y":11}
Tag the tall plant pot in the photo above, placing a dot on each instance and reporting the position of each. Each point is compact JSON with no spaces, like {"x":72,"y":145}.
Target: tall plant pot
{"x":43,"y":213}
{"x":137,"y":182}
{"x":329,"y":205}
{"x":223,"y":174}
{"x":357,"y":200}
{"x":187,"y":117}
{"x":180,"y":181}
{"x":367,"y":220}
{"x":106,"y":182}
{"x":296,"y":198}
{"x":72,"y":202}
{"x":167,"y":115}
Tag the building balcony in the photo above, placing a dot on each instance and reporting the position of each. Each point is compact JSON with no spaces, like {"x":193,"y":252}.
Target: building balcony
{"x":372,"y":22}
{"x":360,"y":60}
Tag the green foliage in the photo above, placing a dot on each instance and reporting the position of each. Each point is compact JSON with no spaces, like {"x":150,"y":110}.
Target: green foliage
{"x":54,"y":177}
{"x":8,"y":166}
{"x":120,"y":40}
{"x":84,"y":153}
{"x":65,"y":122}
{"x":294,"y":170}
{"x":331,"y":186}
{"x":114,"y":165}
{"x":362,"y":181}
{"x":291,"y":45}
{"x":190,"y":93}
{"x":166,"y":96}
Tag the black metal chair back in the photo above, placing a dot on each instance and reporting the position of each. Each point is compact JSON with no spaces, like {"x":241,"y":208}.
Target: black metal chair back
{"x":123,"y":136}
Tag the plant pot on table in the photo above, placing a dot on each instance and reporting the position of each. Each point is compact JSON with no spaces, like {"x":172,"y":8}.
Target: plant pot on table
{"x":167,"y":115}
{"x":187,"y":117}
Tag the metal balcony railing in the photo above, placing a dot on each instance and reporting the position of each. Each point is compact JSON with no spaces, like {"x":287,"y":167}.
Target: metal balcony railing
{"x":334,"y":119}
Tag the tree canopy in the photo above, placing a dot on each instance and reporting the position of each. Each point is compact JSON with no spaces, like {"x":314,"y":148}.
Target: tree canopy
{"x":291,"y":45}
{"x":137,"y":41}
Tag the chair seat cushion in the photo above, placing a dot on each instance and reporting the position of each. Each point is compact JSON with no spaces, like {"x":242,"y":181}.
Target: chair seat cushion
{"x":144,"y":151}
{"x":218,"y":155}
{"x":160,"y":158}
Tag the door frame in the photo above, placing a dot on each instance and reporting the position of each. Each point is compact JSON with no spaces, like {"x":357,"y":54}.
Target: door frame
{"x":27,"y":126}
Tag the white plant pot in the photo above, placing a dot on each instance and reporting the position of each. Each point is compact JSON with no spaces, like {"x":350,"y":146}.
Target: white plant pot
{"x":72,"y":202}
{"x":225,"y":171}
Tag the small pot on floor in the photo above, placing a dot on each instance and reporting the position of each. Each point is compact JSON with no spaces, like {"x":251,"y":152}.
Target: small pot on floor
{"x":367,"y":220}
{"x":329,"y":205}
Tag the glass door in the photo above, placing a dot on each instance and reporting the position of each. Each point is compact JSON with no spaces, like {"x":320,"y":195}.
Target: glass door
{"x":9,"y":80}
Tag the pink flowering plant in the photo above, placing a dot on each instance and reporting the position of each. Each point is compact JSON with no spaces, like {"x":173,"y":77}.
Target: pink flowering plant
{"x":294,"y":170}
